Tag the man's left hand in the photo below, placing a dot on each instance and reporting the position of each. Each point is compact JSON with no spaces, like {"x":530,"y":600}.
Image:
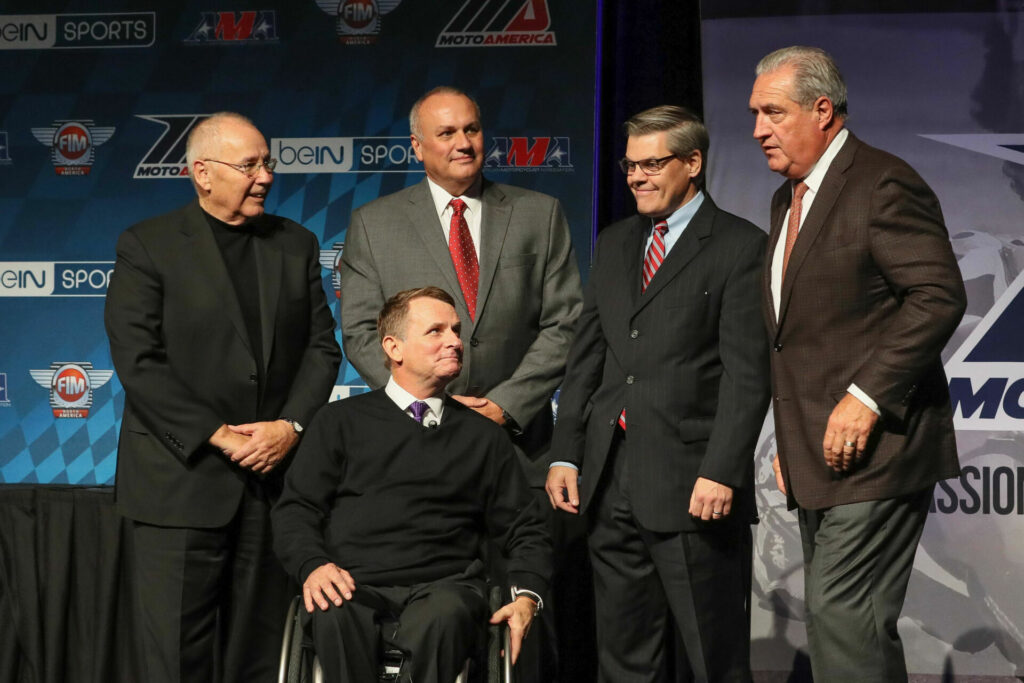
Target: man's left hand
{"x":846,"y":436}
{"x":485,"y":406}
{"x":269,"y":442}
{"x":518,"y":615}
{"x":710,"y":500}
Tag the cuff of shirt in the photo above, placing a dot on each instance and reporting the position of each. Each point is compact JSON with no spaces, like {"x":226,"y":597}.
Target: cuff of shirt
{"x":864,"y":398}
{"x":562,"y":463}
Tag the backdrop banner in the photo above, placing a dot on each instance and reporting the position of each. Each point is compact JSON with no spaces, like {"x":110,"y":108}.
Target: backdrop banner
{"x":944,"y":91}
{"x":95,"y":107}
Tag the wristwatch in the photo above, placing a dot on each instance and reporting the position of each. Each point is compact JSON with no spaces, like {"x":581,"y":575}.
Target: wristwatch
{"x":294,"y":423}
{"x":517,"y":591}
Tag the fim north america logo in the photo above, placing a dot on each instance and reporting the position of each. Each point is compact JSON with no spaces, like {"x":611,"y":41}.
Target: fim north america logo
{"x":357,"y":22}
{"x":73,"y":144}
{"x":329,"y":260}
{"x":71,"y":386}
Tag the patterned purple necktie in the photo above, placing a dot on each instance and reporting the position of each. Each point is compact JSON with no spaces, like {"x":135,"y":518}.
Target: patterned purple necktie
{"x":418,"y":410}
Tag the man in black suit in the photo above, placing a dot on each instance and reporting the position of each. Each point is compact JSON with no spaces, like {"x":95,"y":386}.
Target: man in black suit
{"x":664,"y":397}
{"x":220,"y":333}
{"x":386,"y":507}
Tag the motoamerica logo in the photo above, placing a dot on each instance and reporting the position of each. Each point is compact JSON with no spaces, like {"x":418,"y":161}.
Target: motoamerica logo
{"x":249,"y":26}
{"x":166,"y":158}
{"x":519,"y":154}
{"x":496,"y":23}
{"x":986,"y":374}
{"x":357,"y":22}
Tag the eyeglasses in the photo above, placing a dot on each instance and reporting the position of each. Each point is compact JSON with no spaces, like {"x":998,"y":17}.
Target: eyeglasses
{"x":251,"y":169}
{"x":648,"y":166}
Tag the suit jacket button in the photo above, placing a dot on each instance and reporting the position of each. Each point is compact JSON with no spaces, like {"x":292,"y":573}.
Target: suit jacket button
{"x":473,"y":341}
{"x":629,"y":379}
{"x":252,"y":378}
{"x":777,"y":347}
{"x":634,"y":334}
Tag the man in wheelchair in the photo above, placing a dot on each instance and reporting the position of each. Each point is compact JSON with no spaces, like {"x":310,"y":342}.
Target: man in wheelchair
{"x":389,"y":501}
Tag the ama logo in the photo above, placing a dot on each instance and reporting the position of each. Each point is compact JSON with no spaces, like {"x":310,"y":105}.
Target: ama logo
{"x":73,"y":144}
{"x":250,"y":26}
{"x":518,"y":154}
{"x":71,"y":386}
{"x":986,"y":374}
{"x":358,"y":21}
{"x":498,"y":23}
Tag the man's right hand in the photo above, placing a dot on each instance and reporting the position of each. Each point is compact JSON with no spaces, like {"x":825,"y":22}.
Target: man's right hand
{"x":327,"y":582}
{"x":777,"y":469}
{"x":562,"y":488}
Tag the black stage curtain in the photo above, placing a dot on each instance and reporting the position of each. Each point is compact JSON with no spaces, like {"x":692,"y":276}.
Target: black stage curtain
{"x":65,"y":598}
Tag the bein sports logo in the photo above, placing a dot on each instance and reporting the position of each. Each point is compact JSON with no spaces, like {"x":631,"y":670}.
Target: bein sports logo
{"x":518,"y":154}
{"x":375,"y":154}
{"x":249,"y":26}
{"x":358,"y":21}
{"x":329,"y":260}
{"x":166,"y":158}
{"x":986,"y":374}
{"x":73,"y":144}
{"x":5,"y":399}
{"x":499,"y":23}
{"x":71,"y":386}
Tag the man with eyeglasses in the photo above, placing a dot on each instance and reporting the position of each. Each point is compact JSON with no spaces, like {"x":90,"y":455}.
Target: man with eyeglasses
{"x":665,"y":393}
{"x":221,"y":336}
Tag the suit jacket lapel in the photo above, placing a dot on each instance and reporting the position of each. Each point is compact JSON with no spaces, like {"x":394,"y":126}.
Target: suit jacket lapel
{"x":780,"y":204}
{"x":622,"y":294}
{"x":268,"y":267}
{"x":825,"y":198}
{"x":494,"y":222}
{"x":423,"y":217}
{"x":209,"y":265}
{"x":684,"y":250}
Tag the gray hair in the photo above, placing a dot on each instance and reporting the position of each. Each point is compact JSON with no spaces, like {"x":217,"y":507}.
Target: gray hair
{"x":816,"y":75}
{"x":686,"y":133}
{"x":207,"y":133}
{"x":414,"y":113}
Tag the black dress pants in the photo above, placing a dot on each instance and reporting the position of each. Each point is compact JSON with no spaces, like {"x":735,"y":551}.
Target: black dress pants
{"x":439,"y":626}
{"x":642,"y":578}
{"x":211,"y":602}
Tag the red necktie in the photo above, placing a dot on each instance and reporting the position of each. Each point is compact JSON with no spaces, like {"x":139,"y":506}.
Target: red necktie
{"x":793,"y":226}
{"x":460,"y":244}
{"x":652,"y":261}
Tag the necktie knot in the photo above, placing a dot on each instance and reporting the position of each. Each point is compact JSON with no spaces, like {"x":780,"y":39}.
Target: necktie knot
{"x":799,"y":190}
{"x":661,"y":227}
{"x":418,"y":410}
{"x":458,"y":206}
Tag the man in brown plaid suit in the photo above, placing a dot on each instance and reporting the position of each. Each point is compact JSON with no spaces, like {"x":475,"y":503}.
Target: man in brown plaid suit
{"x":859,"y":302}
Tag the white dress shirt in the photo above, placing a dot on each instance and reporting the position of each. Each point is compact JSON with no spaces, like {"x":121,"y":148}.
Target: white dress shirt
{"x":403,"y":399}
{"x":472,"y":214}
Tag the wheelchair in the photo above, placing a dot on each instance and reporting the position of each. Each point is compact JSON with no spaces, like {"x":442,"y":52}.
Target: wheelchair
{"x":299,"y":663}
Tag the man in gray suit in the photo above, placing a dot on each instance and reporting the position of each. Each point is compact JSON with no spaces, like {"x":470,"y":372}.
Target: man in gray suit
{"x":502,"y":251}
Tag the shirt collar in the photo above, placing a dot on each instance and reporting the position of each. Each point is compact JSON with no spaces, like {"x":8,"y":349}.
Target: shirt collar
{"x":403,"y":399}
{"x":681,"y":217}
{"x":814,"y":178}
{"x":442,"y":198}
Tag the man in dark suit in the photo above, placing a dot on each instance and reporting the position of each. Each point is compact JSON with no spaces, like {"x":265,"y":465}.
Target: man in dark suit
{"x":385,"y":508}
{"x":861,"y":293}
{"x":507,"y":256}
{"x":664,"y":397}
{"x":220,"y":333}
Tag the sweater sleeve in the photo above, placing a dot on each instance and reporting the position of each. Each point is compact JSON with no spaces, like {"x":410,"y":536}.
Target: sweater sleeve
{"x":309,"y":489}
{"x":516,"y":521}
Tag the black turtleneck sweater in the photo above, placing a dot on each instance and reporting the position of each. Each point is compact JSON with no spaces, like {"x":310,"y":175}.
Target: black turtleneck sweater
{"x":236,"y":243}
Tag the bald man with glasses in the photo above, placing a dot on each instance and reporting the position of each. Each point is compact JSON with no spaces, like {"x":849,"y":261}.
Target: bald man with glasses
{"x":221,"y":336}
